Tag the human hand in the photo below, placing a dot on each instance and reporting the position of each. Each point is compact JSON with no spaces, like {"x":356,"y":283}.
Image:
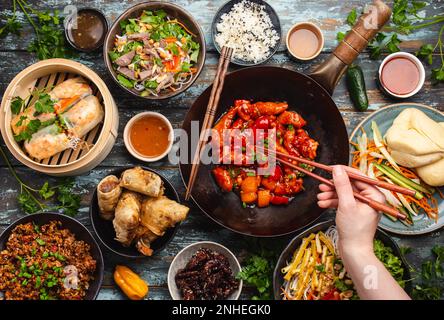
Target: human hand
{"x":356,"y":221}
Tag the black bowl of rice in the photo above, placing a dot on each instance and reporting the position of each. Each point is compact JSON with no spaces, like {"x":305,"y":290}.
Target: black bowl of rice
{"x":251,"y":27}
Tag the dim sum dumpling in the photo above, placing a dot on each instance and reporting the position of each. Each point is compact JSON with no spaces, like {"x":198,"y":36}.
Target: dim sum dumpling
{"x":108,"y":194}
{"x":142,"y":181}
{"x":126,"y":217}
{"x":159,"y":214}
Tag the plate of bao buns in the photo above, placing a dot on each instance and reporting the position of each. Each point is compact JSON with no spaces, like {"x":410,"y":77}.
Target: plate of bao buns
{"x":135,"y":212}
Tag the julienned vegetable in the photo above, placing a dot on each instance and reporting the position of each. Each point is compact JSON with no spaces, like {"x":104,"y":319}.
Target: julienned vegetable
{"x":154,"y":54}
{"x":379,"y":142}
{"x":395,"y":175}
{"x":356,"y":87}
{"x":374,"y":155}
{"x":130,"y":283}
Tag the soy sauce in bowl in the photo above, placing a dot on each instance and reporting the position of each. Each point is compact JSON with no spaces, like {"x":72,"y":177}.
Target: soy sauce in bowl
{"x":86,"y":30}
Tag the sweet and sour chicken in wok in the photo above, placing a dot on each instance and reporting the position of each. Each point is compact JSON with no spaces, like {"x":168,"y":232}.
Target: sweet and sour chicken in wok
{"x":256,"y":127}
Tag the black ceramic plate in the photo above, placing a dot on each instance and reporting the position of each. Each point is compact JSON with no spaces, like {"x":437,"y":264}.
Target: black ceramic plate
{"x":105,"y":229}
{"x":80,"y":232}
{"x":274,"y":20}
{"x":288,"y":252}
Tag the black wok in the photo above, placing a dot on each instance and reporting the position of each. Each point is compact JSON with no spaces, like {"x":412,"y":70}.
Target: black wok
{"x":308,"y":95}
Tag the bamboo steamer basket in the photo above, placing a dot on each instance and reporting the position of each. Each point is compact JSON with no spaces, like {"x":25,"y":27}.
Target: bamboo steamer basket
{"x":46,"y":74}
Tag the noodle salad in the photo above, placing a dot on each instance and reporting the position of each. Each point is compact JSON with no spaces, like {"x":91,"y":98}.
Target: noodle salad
{"x":154,"y":53}
{"x":316,"y":271}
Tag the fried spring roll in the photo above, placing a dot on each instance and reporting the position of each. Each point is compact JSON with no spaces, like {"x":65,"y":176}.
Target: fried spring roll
{"x":108,"y":194}
{"x":144,"y":182}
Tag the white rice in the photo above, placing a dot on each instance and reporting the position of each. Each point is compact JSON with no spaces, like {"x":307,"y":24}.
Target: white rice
{"x":248,"y":29}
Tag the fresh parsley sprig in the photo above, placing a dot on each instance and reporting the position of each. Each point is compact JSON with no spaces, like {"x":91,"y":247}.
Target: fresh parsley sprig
{"x":49,"y":41}
{"x":427,"y":51}
{"x":43,"y":104}
{"x":430,"y":278}
{"x":258,"y":272}
{"x":34,"y":200}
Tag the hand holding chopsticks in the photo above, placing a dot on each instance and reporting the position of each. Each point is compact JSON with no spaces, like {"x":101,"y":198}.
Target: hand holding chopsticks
{"x":378,"y":206}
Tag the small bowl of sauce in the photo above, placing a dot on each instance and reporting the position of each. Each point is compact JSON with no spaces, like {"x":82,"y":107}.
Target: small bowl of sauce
{"x":86,"y":29}
{"x":401,"y":75}
{"x":305,"y":41}
{"x":148,"y":136}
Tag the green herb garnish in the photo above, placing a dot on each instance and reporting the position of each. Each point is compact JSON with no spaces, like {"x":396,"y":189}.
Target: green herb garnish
{"x":49,"y":41}
{"x":32,"y":200}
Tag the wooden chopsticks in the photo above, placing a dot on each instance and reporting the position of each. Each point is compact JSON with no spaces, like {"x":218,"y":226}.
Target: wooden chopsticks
{"x":352,"y":175}
{"x":372,"y":203}
{"x":224,"y":61}
{"x":378,"y":206}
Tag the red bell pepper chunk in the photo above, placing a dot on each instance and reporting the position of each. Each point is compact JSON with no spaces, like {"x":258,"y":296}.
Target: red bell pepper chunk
{"x":279,"y":200}
{"x":332,"y":295}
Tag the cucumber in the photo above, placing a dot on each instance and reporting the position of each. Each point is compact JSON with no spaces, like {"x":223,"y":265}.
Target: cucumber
{"x":356,"y":87}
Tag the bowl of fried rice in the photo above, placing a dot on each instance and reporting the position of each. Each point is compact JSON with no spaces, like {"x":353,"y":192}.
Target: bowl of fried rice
{"x":49,"y":256}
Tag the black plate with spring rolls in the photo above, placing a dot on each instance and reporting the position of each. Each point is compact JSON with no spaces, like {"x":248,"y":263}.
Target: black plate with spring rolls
{"x":105,"y":229}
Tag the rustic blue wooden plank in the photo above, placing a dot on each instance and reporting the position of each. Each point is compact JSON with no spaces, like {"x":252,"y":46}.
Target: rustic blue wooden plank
{"x":328,"y":14}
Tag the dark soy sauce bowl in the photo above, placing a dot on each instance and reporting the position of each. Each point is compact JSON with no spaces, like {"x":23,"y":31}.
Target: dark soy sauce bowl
{"x":69,"y":24}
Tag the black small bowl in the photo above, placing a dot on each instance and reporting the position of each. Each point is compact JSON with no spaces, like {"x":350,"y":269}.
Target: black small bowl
{"x":274,"y":20}
{"x":80,"y":232}
{"x":294,"y":244}
{"x":68,"y":26}
{"x":104,"y":229}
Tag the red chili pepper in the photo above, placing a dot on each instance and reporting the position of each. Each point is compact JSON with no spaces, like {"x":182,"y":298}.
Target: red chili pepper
{"x":279,"y":200}
{"x":332,"y":295}
{"x":277,"y":174}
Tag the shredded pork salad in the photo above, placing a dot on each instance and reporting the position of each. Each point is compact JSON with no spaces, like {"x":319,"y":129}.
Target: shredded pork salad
{"x":154,"y":54}
{"x":248,"y":29}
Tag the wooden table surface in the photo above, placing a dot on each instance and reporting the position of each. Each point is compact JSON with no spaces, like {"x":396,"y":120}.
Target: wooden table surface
{"x":328,"y":14}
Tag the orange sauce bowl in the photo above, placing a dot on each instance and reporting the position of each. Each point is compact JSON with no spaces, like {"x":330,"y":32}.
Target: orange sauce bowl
{"x":305,"y":41}
{"x":148,"y":136}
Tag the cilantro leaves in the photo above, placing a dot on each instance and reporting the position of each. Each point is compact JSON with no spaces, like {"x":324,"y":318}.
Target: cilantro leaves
{"x":426,"y":52}
{"x":258,"y":272}
{"x":49,"y":41}
{"x":16,"y":105}
{"x":432,"y":276}
{"x":44,"y":104}
{"x":61,"y":198}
